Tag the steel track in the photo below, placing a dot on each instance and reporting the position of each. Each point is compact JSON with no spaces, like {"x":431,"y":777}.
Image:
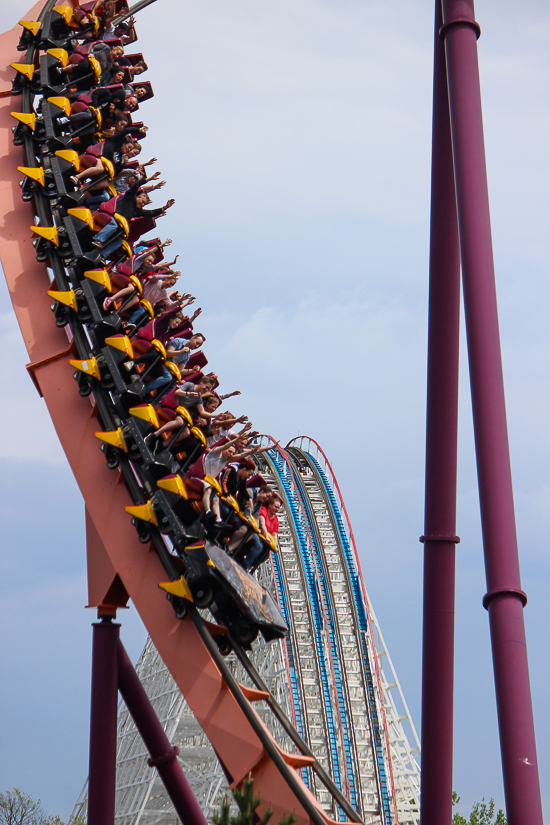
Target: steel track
{"x":310,"y":547}
{"x":357,"y":614}
{"x":142,"y":485}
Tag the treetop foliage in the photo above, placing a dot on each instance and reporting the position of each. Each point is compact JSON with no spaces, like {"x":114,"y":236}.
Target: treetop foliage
{"x":18,"y":808}
{"x":247,"y":804}
{"x":482,"y":813}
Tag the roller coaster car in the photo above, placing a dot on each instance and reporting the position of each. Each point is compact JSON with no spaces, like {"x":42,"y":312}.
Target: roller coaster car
{"x":75,"y":235}
{"x":116,"y":378}
{"x":128,"y":438}
{"x":183,"y":454}
{"x":55,"y":31}
{"x":91,"y":287}
{"x":55,"y":132}
{"x":54,"y":176}
{"x":29,"y":33}
{"x":134,"y":438}
{"x":106,"y":364}
{"x":57,"y":171}
{"x":52,"y":78}
{"x":157,"y":463}
{"x":234,"y":597}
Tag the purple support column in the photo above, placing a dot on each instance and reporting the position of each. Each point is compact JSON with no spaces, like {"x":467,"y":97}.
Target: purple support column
{"x":441,"y":451}
{"x":504,"y":599}
{"x":163,"y":755}
{"x":103,"y":723}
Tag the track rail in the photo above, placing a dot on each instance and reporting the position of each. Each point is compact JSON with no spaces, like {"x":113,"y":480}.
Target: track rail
{"x":240,"y":738}
{"x":324,"y":621}
{"x":314,"y":609}
{"x":361,"y":633}
{"x":403,"y":769}
{"x":331,"y":628}
{"x":292,"y":658}
{"x":344,"y":701}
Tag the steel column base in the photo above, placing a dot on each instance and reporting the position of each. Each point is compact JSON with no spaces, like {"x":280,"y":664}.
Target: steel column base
{"x":112,"y":671}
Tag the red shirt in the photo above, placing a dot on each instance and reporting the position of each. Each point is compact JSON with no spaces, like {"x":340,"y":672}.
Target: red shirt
{"x":271,"y":524}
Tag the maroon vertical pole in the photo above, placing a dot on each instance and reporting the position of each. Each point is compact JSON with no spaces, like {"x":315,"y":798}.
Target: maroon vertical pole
{"x":505,"y":599}
{"x":163,"y":755}
{"x":103,"y":723}
{"x":441,"y":457}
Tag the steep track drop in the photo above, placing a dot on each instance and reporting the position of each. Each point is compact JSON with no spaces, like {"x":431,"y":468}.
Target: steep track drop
{"x":375,"y":757}
{"x":352,"y":743}
{"x":119,"y":566}
{"x":289,"y":670}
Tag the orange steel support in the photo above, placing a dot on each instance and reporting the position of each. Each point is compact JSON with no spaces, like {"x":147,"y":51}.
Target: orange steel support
{"x":115,"y":548}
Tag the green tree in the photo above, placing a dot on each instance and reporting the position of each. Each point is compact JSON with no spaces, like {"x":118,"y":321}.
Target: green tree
{"x":247,"y":804}
{"x":18,"y":808}
{"x":482,"y":813}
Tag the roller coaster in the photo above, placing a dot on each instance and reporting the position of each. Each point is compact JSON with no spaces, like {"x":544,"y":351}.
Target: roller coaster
{"x":342,"y":749}
{"x":341,"y":695}
{"x":282,"y":670}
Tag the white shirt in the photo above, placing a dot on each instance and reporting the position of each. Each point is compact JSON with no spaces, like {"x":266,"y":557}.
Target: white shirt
{"x":214,"y":464}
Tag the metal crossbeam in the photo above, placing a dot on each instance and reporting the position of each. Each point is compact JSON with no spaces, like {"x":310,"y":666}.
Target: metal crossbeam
{"x":141,"y":798}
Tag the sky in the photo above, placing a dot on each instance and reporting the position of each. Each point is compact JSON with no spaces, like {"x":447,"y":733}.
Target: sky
{"x":295,"y":137}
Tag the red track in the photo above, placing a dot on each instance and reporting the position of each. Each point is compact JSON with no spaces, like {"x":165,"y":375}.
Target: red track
{"x":119,"y":567}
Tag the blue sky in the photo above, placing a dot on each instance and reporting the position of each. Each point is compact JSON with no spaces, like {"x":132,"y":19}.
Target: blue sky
{"x":295,"y":137}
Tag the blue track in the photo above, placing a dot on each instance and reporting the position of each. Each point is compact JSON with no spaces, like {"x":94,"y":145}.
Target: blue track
{"x":332,"y":635}
{"x":361,"y":612}
{"x":285,"y":610}
{"x":293,"y":510}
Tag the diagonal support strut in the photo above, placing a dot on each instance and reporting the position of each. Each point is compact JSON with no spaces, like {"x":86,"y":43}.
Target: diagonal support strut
{"x":112,"y":671}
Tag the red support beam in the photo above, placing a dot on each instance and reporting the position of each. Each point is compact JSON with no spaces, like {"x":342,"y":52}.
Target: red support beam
{"x":112,"y":671}
{"x":164,"y":757}
{"x":505,"y":599}
{"x":103,"y":723}
{"x":441,"y":460}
